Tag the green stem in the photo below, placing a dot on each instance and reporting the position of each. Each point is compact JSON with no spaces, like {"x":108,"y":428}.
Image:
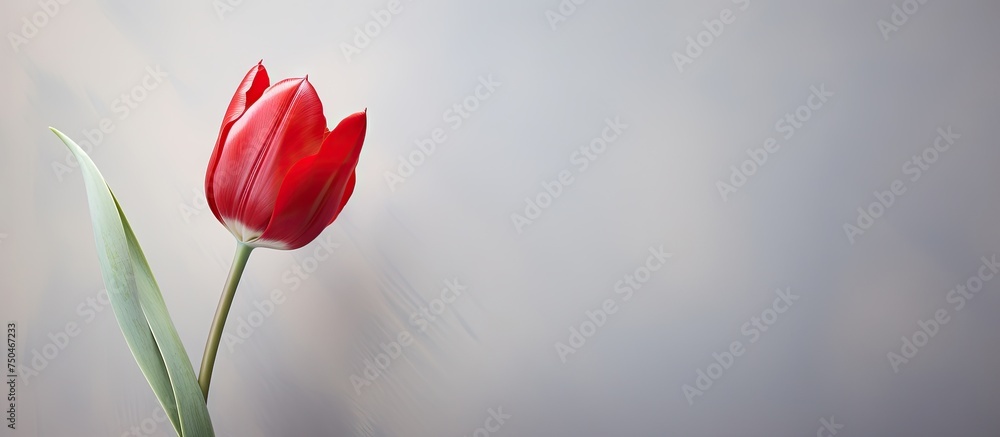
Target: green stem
{"x":215,"y":335}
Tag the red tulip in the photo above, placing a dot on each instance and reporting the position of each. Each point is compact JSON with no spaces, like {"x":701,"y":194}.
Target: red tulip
{"x":278,"y":176}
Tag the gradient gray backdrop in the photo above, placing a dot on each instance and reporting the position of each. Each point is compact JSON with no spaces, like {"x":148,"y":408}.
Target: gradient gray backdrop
{"x":495,"y":346}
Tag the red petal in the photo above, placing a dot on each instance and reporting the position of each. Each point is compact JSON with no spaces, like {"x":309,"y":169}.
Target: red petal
{"x":284,"y":126}
{"x":317,"y":188}
{"x":250,"y":89}
{"x":348,"y":191}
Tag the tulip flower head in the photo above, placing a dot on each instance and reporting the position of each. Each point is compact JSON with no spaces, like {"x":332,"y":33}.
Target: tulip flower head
{"x":278,"y":176}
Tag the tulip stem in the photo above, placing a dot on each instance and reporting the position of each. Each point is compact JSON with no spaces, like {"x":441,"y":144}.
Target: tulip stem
{"x":215,"y":335}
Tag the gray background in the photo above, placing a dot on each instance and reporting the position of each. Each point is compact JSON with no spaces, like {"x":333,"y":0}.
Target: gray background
{"x":495,"y":346}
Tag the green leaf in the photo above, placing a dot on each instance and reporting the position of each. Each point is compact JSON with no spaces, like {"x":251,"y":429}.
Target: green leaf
{"x":139,"y":307}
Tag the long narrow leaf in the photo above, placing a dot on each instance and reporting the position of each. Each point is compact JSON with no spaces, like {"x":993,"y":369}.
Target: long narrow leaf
{"x":139,"y":307}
